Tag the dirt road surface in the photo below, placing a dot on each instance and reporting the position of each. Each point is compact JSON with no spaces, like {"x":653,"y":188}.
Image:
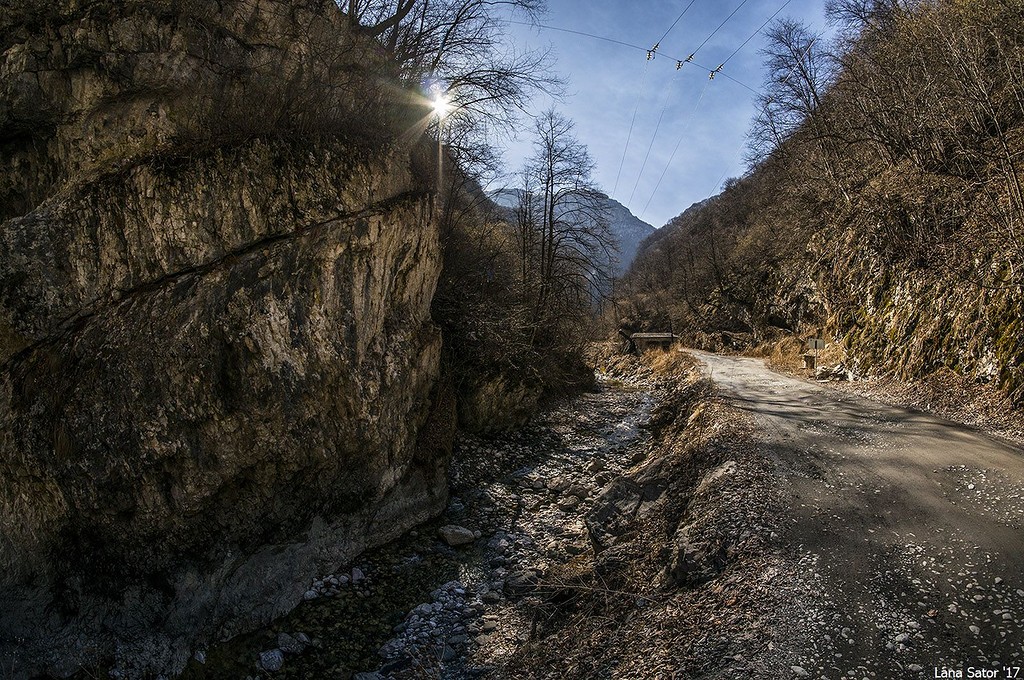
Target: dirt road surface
{"x":910,"y":527}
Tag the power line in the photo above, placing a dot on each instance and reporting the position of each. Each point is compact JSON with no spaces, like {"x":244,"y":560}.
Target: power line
{"x":650,"y":146}
{"x":754,"y":34}
{"x":678,"y":62}
{"x":651,"y":53}
{"x":792,"y":70}
{"x":632,"y":122}
{"x":657,"y":127}
{"x":678,"y":18}
{"x":574,"y":32}
{"x":672,"y":156}
{"x":715,"y":32}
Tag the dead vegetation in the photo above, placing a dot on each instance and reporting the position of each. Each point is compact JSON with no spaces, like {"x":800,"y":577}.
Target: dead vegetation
{"x":944,"y":391}
{"x":680,"y":583}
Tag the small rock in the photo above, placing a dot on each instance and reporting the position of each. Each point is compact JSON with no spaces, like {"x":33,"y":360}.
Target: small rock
{"x":455,"y":535}
{"x":558,"y":484}
{"x":272,"y":660}
{"x":521,"y":580}
{"x":799,"y":671}
{"x":357,"y":575}
{"x":915,"y":667}
{"x":579,"y":491}
{"x":289,"y":644}
{"x":975,"y":629}
{"x":200,"y":656}
{"x":568,"y":504}
{"x":310,"y":595}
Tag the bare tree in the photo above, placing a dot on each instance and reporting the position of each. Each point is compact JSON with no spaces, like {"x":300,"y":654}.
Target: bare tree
{"x":567,"y":248}
{"x":854,"y":17}
{"x":800,"y":72}
{"x":458,"y":48}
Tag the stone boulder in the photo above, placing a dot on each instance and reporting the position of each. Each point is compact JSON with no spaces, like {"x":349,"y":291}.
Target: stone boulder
{"x":455,"y":535}
{"x":693,"y":561}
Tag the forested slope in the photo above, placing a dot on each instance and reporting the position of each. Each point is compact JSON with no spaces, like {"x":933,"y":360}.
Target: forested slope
{"x":884,"y":205}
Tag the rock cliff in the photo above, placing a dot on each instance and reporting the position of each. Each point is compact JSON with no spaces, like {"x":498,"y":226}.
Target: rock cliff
{"x":218,"y":371}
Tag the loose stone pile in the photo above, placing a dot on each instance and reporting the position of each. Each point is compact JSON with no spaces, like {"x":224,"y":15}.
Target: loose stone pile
{"x":517,"y":525}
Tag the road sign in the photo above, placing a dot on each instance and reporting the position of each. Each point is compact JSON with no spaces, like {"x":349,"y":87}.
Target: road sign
{"x":815,"y":343}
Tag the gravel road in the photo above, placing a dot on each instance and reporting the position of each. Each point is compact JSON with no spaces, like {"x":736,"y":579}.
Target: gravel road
{"x":909,"y":528}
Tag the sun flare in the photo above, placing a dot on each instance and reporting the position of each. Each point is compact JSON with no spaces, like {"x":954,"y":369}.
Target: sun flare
{"x":440,"y":105}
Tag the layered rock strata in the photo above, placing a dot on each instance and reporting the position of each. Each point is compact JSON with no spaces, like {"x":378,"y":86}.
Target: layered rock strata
{"x":218,"y":372}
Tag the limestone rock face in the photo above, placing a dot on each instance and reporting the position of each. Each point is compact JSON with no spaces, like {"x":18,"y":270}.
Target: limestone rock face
{"x":218,"y":371}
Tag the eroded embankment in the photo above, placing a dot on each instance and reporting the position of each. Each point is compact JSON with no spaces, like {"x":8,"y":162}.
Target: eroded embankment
{"x":621,"y":534}
{"x":683,"y":580}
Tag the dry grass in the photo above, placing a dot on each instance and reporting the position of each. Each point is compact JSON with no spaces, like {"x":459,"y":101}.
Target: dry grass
{"x":608,"y":359}
{"x":671,"y":363}
{"x":786,"y":355}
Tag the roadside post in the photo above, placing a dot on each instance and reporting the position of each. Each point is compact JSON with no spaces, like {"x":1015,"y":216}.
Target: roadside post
{"x":811,"y":360}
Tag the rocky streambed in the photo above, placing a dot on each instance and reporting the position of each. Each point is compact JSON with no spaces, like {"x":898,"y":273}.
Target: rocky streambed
{"x":451,"y":598}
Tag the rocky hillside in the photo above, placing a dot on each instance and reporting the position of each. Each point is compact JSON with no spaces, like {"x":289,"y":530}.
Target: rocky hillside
{"x":629,"y":232}
{"x":218,"y":372}
{"x":885,"y":207}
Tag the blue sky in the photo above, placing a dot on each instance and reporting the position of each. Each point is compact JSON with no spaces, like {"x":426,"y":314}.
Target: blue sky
{"x":604,"y":82}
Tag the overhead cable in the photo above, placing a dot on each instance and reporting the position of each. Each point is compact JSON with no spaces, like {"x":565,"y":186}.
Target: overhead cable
{"x":678,"y":18}
{"x":650,"y":146}
{"x":676,"y":61}
{"x":720,"y":26}
{"x":632,"y":122}
{"x":682,"y":135}
{"x":711,"y":76}
{"x":792,"y":70}
{"x":754,"y":34}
